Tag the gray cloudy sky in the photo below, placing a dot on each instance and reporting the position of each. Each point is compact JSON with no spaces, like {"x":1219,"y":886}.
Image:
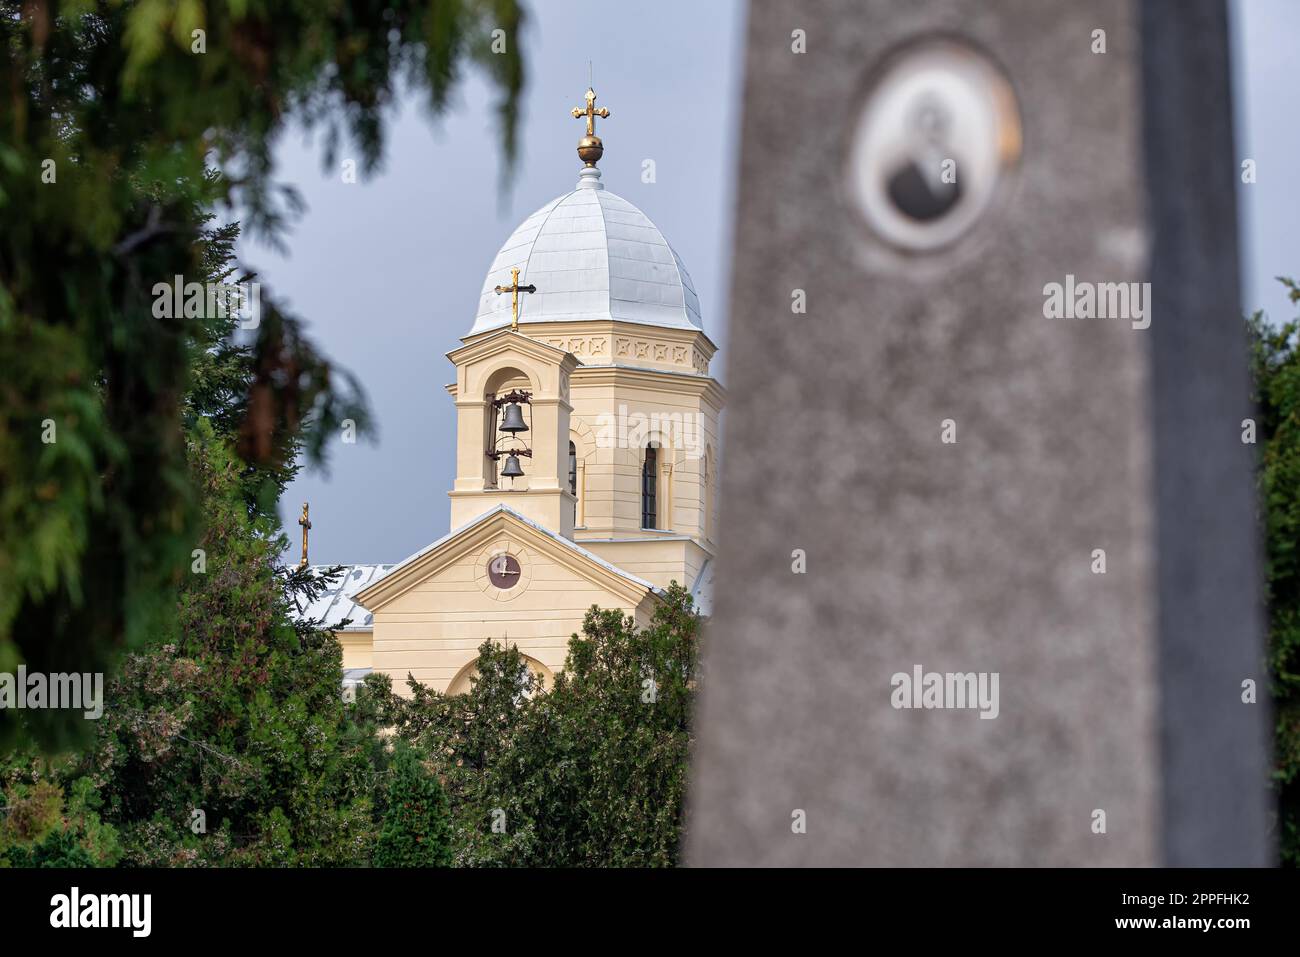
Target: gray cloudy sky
{"x":388,"y":270}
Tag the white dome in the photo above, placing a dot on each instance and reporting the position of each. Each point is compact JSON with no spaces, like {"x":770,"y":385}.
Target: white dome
{"x":592,"y":255}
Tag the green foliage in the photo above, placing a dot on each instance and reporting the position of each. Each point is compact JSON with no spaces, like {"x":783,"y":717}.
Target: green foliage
{"x":224,"y":741}
{"x":591,"y":772}
{"x":39,"y":827}
{"x":115,"y":115}
{"x":240,"y":717}
{"x":415,"y":831}
{"x":59,"y":848}
{"x":1275,"y":361}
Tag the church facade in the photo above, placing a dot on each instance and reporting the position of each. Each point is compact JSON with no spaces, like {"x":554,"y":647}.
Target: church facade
{"x":586,"y":452}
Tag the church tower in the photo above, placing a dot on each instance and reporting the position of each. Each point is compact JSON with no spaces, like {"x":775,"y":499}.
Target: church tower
{"x":586,"y":452}
{"x":588,"y":315}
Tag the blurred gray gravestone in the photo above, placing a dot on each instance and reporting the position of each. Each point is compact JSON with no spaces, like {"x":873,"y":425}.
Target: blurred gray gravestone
{"x":989,"y":585}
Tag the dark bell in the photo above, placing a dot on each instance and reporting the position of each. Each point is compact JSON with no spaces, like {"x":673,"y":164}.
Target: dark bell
{"x":512,"y":469}
{"x":513,"y":420}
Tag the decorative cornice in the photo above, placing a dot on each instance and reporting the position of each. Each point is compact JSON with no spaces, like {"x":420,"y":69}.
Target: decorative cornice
{"x":564,"y":328}
{"x":658,"y":380}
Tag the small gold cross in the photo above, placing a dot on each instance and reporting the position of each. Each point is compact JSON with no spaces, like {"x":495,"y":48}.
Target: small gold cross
{"x":305,"y":522}
{"x":590,"y":112}
{"x":515,"y":289}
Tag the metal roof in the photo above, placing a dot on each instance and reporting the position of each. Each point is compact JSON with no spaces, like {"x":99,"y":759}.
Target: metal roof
{"x":336,"y":603}
{"x":592,"y":255}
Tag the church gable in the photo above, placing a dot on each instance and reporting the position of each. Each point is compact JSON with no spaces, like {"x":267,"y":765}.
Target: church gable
{"x":504,"y":524}
{"x":501,"y":578}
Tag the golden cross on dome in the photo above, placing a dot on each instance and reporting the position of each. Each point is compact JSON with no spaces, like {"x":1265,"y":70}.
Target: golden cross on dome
{"x":590,"y":112}
{"x":305,"y":522}
{"x":515,"y":289}
{"x":590,"y":148}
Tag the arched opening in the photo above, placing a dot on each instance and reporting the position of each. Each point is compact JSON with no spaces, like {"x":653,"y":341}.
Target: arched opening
{"x":461,"y":683}
{"x":501,"y":382}
{"x":650,"y":487}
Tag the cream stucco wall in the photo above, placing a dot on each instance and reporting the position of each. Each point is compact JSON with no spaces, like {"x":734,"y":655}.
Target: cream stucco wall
{"x":356,"y":648}
{"x":660,"y":559}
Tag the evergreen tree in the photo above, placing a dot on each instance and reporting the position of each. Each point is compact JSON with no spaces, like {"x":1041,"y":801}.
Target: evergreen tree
{"x":591,"y":772}
{"x":115,"y":115}
{"x":415,"y":831}
{"x":230,"y":744}
{"x":224,"y":740}
{"x":1275,"y":361}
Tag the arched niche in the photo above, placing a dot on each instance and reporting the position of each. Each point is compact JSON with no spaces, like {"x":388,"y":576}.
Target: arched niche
{"x":461,"y":683}
{"x":505,"y":378}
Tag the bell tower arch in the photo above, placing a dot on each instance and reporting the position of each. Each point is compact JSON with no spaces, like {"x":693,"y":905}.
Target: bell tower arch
{"x":497,"y":367}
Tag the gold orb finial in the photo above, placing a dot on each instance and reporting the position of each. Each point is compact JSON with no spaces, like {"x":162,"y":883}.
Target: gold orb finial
{"x":590,"y":148}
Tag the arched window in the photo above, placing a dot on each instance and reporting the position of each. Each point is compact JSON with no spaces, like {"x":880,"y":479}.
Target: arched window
{"x":649,"y":480}
{"x":573,"y":469}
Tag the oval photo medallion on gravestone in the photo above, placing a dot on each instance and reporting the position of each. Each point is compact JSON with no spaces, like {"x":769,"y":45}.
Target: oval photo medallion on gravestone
{"x":503,"y":571}
{"x":938,"y":133}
